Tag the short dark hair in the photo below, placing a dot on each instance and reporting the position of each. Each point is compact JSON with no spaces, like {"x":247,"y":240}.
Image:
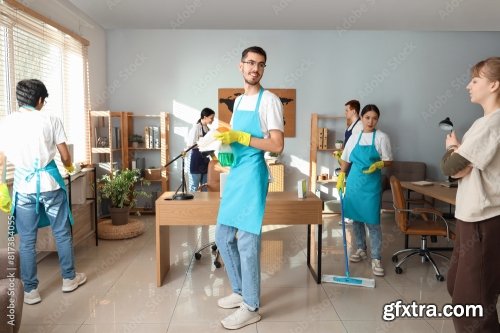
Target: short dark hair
{"x":206,"y":112}
{"x":254,"y":49}
{"x":28,"y":92}
{"x":354,"y":104}
{"x":370,"y":107}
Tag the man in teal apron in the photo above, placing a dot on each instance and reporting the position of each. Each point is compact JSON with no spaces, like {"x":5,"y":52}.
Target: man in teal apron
{"x":363,"y":192}
{"x":39,"y":194}
{"x":257,"y":126}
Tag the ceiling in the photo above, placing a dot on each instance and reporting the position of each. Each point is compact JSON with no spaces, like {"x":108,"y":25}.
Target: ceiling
{"x":417,"y":15}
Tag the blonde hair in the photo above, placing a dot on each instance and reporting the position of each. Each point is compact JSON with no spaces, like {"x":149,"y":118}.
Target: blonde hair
{"x":488,"y":68}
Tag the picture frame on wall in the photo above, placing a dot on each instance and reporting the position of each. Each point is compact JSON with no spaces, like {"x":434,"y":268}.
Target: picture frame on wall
{"x":227,"y":96}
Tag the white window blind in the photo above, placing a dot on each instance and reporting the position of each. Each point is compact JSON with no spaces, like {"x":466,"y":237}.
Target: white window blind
{"x":33,"y":49}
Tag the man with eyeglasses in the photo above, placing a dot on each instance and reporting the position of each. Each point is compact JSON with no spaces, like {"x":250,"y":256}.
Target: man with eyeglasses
{"x":257,"y":126}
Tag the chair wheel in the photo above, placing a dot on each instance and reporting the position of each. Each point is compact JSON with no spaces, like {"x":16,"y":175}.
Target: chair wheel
{"x":398,"y":270}
{"x":440,"y":278}
{"x":214,"y":247}
{"x":217,"y":264}
{"x":197,"y":256}
{"x":394,"y":258}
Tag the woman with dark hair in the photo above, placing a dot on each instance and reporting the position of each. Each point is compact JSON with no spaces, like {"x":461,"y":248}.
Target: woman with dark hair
{"x":198,"y":165}
{"x":365,"y":154}
{"x":474,"y":274}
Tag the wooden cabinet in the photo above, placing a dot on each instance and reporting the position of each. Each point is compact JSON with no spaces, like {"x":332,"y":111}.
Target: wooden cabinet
{"x":105,"y":139}
{"x":150,"y":155}
{"x":82,"y":195}
{"x":335,"y":127}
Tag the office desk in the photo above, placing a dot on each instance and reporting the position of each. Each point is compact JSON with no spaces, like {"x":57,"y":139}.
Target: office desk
{"x":282,"y":208}
{"x":436,"y":191}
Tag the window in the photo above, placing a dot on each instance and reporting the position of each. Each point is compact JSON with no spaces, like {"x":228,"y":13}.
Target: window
{"x":33,"y":47}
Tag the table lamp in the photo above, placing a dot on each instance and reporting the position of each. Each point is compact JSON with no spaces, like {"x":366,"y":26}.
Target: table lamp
{"x":446,"y":125}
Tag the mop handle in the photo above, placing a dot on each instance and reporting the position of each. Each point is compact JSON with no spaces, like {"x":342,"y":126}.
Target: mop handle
{"x":346,"y":261}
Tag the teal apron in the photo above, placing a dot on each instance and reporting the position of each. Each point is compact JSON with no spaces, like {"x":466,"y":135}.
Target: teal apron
{"x":363,"y":191}
{"x":24,"y":175}
{"x":244,"y":198}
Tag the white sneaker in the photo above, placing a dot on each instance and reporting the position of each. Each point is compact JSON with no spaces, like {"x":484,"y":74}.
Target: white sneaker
{"x":33,"y":297}
{"x":240,"y":318}
{"x":359,"y":255}
{"x":377,"y":268}
{"x":347,"y":221}
{"x":70,"y":285}
{"x":230,"y":302}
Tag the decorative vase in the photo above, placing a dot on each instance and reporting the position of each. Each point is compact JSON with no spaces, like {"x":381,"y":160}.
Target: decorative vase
{"x":119,"y":216}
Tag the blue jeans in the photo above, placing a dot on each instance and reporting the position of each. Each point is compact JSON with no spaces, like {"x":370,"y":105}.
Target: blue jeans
{"x":241,"y":255}
{"x":375,"y":237}
{"x":55,"y":205}
{"x":196,"y":180}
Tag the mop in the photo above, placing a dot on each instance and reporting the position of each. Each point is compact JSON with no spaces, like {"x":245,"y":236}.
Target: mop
{"x":347,"y":279}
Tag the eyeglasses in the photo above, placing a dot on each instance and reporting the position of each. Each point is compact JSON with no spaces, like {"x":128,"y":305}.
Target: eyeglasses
{"x":252,"y":63}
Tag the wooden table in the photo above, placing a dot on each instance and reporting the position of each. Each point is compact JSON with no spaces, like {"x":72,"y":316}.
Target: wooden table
{"x":282,"y":208}
{"x":436,"y":191}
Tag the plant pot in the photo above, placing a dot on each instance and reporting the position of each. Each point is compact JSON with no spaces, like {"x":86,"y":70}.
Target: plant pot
{"x":338,"y":145}
{"x":119,"y":216}
{"x":135,"y":144}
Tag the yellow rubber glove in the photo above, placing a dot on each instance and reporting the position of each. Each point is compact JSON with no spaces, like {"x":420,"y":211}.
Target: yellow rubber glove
{"x":70,"y":169}
{"x":5,"y":200}
{"x":374,"y":167}
{"x":337,"y":154}
{"x":234,"y":136}
{"x":341,"y":181}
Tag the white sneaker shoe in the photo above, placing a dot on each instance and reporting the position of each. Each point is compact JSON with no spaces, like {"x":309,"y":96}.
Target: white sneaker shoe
{"x":230,"y":302}
{"x":70,"y":285}
{"x":240,"y":318}
{"x":33,"y":297}
{"x":377,"y":268}
{"x":359,"y":255}
{"x":347,"y":221}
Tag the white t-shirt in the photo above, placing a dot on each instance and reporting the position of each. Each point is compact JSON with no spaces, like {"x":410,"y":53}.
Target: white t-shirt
{"x":382,"y":144}
{"x":195,"y":134}
{"x":478,"y":193}
{"x":27,"y":135}
{"x":270,"y":110}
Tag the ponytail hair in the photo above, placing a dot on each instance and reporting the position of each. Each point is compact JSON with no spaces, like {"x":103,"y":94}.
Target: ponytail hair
{"x":206,"y":112}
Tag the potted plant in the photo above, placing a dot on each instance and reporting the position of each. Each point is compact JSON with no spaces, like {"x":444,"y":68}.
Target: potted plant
{"x":136,"y":139}
{"x":271,"y":158}
{"x":339,"y":144}
{"x":119,"y":188}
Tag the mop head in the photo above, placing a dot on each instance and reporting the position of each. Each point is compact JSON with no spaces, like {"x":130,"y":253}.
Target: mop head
{"x":350,"y":281}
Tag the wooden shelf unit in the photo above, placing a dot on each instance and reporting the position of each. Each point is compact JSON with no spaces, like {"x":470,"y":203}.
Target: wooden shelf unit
{"x":98,"y":120}
{"x":314,"y":146}
{"x":162,"y":121}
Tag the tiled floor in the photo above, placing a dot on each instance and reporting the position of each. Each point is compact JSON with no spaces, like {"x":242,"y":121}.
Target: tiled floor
{"x":121,"y":293}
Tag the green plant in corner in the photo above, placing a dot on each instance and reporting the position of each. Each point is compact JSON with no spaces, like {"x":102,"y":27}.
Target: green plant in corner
{"x":120,"y":188}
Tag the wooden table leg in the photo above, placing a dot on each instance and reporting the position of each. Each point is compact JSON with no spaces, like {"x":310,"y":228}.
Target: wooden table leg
{"x":162,"y":253}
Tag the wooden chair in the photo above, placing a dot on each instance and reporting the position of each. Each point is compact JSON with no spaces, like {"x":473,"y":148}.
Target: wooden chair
{"x":416,"y":222}
{"x":212,"y":185}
